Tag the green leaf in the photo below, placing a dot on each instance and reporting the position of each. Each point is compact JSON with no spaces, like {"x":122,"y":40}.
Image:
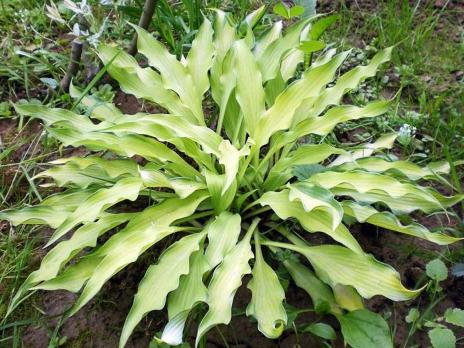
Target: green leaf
{"x":163,"y":132}
{"x":249,"y":89}
{"x":53,"y":115}
{"x":125,"y":145}
{"x":142,"y":82}
{"x":305,"y":171}
{"x":386,"y":141}
{"x":311,"y":46}
{"x":230,"y":157}
{"x":216,"y":182}
{"x":226,"y":279}
{"x":267,"y":296}
{"x":349,"y":81}
{"x":296,"y":11}
{"x":85,"y":236}
{"x":372,"y":185}
{"x":269,"y":60}
{"x":280,"y":115}
{"x":288,"y":68}
{"x":229,"y":110}
{"x":455,"y":316}
{"x":86,"y":171}
{"x":315,"y":197}
{"x":412,"y":316}
{"x":97,"y":108}
{"x":365,"y":213}
{"x":322,"y":330}
{"x":347,"y":297}
{"x":159,"y":280}
{"x":53,"y":211}
{"x":308,"y":154}
{"x":405,"y":205}
{"x":200,"y":57}
{"x":224,"y":36}
{"x":233,"y":120}
{"x":102,"y":199}
{"x":254,"y":17}
{"x":436,"y":270}
{"x":282,"y":10}
{"x":152,"y":177}
{"x":307,"y":123}
{"x":335,"y":264}
{"x":273,"y":34}
{"x":320,"y":26}
{"x":313,"y":220}
{"x":403,"y":168}
{"x":442,"y":338}
{"x":165,"y":127}
{"x":78,"y":130}
{"x":223,"y":235}
{"x":321,"y":295}
{"x":143,"y":231}
{"x":363,"y":328}
{"x":174,"y":75}
{"x":191,"y":291}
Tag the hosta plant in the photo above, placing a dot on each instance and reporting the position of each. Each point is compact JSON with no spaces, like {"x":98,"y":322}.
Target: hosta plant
{"x":235,"y":185}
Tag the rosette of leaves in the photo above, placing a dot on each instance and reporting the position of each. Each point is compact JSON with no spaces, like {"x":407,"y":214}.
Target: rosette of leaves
{"x":231,"y":187}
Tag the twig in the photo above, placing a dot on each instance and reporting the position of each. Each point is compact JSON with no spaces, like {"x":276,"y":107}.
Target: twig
{"x":73,"y":67}
{"x":147,"y":14}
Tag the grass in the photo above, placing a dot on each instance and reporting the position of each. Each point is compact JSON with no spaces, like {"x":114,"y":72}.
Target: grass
{"x":425,"y":76}
{"x":427,"y":61}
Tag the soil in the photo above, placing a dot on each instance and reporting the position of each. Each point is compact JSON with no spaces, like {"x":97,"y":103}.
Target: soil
{"x":401,"y":252}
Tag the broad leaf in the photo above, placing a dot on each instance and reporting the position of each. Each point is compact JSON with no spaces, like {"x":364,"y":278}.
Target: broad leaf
{"x":267,"y":296}
{"x":442,"y":338}
{"x":200,"y":57}
{"x":223,"y":235}
{"x":315,"y":220}
{"x":280,"y":115}
{"x":322,"y":330}
{"x":436,"y":270}
{"x":363,"y":328}
{"x":174,"y":75}
{"x":339,"y":265}
{"x":249,"y":89}
{"x":159,"y":280}
{"x":455,"y":316}
{"x":365,"y":213}
{"x":102,"y":199}
{"x":320,"y":293}
{"x":226,"y":280}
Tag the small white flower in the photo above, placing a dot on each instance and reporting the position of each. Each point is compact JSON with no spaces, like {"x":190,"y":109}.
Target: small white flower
{"x":76,"y":29}
{"x":406,"y":133}
{"x":78,"y":32}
